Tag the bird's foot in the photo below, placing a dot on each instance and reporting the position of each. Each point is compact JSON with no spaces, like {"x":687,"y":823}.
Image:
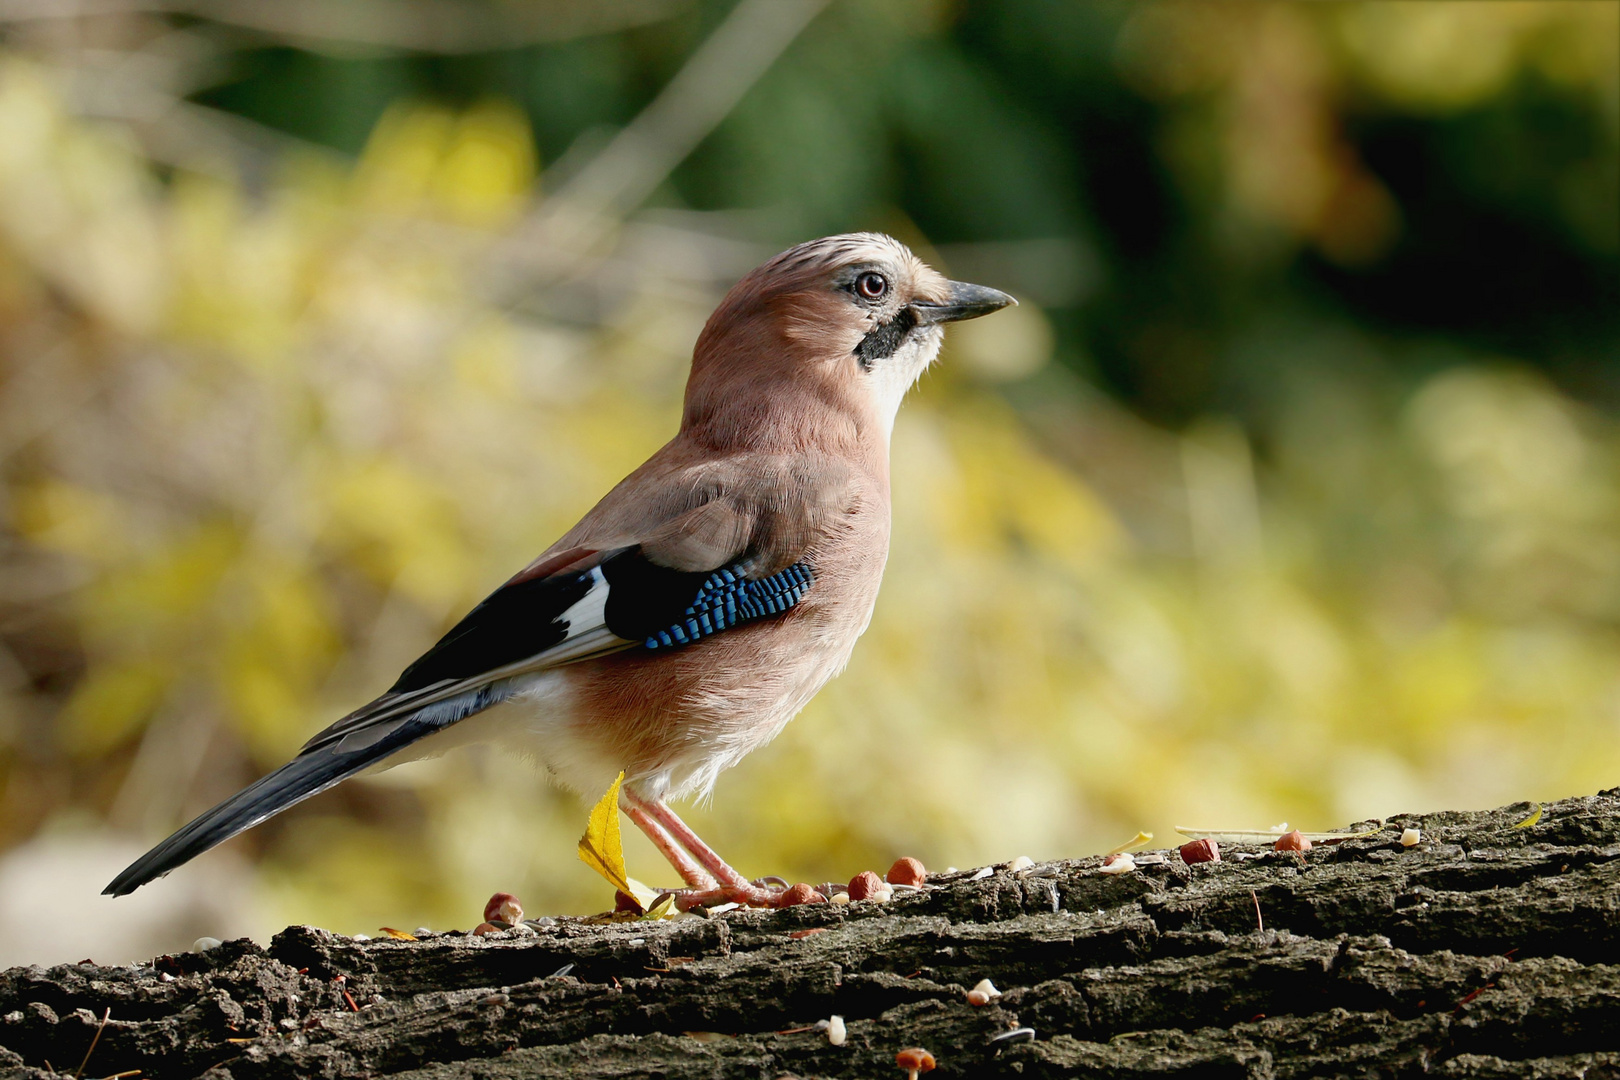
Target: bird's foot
{"x":762,"y":893}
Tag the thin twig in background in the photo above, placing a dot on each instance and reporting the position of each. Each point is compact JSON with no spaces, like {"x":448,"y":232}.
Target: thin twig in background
{"x":429,"y":26}
{"x":708,"y":86}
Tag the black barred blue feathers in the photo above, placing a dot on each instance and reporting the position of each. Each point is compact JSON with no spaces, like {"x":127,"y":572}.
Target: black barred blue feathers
{"x":727,"y":598}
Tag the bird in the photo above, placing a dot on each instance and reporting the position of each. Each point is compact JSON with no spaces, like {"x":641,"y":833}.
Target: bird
{"x":705,"y":599}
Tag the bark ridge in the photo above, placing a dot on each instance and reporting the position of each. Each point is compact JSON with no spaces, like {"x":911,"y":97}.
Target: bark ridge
{"x":1484,"y":951}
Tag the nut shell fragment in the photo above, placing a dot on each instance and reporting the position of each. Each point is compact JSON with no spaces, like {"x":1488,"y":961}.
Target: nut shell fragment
{"x":1294,"y":841}
{"x":1198,"y":851}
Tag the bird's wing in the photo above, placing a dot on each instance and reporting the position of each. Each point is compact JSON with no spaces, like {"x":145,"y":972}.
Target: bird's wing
{"x":730,"y":558}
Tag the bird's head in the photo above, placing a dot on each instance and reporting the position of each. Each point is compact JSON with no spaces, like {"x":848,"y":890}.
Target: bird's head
{"x":824,"y":339}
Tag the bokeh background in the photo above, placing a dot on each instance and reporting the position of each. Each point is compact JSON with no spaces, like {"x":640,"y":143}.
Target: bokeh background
{"x":1290,"y":492}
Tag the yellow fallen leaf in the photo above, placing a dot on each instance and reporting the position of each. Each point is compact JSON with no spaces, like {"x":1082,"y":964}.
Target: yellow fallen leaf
{"x":1140,"y":840}
{"x":397,"y":935}
{"x":600,"y":848}
{"x":661,"y":909}
{"x":1532,"y":819}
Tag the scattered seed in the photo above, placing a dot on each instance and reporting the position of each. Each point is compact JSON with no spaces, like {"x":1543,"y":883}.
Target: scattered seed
{"x":1023,"y":862}
{"x":798,"y":894}
{"x":483,"y":929}
{"x":982,"y":873}
{"x":503,"y":907}
{"x":361,"y":937}
{"x":1198,"y":851}
{"x":1123,"y":863}
{"x":839,"y":897}
{"x":800,"y":935}
{"x":907,"y":871}
{"x":983,"y":994}
{"x":1294,"y":841}
{"x":560,"y":972}
{"x":1411,"y":837}
{"x":1015,"y":1035}
{"x":868,"y":886}
{"x":914,"y":1060}
{"x":836,"y":1032}
{"x":203,"y":944}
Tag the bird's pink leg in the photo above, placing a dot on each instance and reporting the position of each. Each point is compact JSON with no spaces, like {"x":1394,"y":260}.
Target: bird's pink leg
{"x":691,"y":873}
{"x":728,"y":886}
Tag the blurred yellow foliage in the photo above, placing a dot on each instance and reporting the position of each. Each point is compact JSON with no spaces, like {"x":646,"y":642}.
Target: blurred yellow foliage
{"x":267,"y":441}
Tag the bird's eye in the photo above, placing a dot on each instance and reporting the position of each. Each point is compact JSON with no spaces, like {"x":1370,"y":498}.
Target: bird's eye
{"x":871,"y":286}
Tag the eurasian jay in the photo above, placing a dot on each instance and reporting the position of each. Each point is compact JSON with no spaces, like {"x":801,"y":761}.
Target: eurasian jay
{"x":697,"y":608}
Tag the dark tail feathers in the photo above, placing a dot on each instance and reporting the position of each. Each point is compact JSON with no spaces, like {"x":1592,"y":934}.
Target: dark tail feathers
{"x":307,"y":774}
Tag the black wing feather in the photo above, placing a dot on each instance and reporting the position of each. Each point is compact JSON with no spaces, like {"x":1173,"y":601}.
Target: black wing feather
{"x":513,"y":623}
{"x":468,"y":670}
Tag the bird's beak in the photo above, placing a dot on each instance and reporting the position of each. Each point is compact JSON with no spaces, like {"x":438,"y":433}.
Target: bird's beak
{"x":966,"y":302}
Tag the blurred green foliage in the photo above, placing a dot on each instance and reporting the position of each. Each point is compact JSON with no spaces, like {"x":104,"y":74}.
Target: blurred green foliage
{"x":1291,"y":491}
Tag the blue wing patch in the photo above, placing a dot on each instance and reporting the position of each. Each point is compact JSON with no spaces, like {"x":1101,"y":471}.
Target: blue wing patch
{"x":727,"y":598}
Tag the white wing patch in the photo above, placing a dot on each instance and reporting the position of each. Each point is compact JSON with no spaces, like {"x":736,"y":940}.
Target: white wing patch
{"x":586,"y":623}
{"x":590,"y":610}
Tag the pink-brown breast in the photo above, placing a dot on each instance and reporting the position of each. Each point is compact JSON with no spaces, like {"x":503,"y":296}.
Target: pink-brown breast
{"x":673,"y":720}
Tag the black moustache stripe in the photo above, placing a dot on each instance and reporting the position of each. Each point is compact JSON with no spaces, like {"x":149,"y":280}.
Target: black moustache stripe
{"x":885,"y":338}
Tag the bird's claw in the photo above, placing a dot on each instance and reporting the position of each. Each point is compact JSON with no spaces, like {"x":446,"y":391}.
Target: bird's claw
{"x":754,"y":894}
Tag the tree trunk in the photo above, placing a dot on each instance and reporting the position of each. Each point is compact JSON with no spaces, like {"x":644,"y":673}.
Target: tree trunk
{"x":1485,"y":950}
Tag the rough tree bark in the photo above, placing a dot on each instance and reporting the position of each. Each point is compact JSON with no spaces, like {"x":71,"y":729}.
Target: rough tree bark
{"x":1484,"y":951}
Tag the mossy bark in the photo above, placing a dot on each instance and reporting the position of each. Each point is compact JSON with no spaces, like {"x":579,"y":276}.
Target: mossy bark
{"x":1484,"y":951}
